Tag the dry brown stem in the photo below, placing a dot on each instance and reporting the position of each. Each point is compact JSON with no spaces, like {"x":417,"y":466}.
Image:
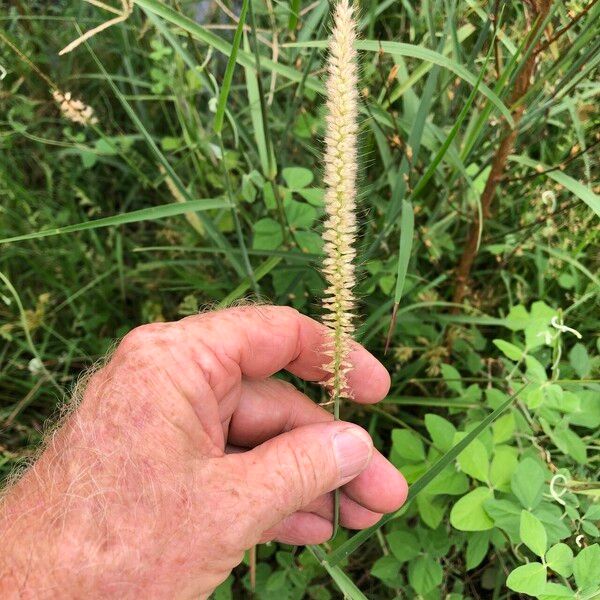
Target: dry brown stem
{"x":539,"y":11}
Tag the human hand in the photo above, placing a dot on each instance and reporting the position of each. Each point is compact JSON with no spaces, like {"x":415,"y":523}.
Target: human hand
{"x":183,"y":453}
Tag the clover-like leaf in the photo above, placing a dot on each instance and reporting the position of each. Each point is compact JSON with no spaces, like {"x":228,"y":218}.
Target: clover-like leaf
{"x":297,"y":177}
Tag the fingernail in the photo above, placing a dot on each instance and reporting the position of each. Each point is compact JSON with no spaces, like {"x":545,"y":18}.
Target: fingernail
{"x":353,"y":449}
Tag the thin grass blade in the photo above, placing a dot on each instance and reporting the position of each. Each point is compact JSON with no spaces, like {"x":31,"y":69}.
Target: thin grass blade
{"x":407,"y":229}
{"x":228,"y":76}
{"x":211,"y":230}
{"x":145,"y":214}
{"x":347,"y":548}
{"x":575,"y":187}
{"x":208,"y":37}
{"x":256,"y":116}
{"x":344,"y":583}
{"x":413,"y":51}
{"x":264,"y":269}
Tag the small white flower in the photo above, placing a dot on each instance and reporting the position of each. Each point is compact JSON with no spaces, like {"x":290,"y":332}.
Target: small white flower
{"x":35,"y":366}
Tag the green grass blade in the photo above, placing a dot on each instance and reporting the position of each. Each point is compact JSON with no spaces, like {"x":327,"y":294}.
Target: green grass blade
{"x":430,"y":171}
{"x":463,"y":33}
{"x":294,"y":11}
{"x":208,"y":37}
{"x":422,"y":401}
{"x":256,"y":116}
{"x":211,"y":230}
{"x":152,"y":213}
{"x":228,"y":77}
{"x":432,"y":166}
{"x":344,"y":583}
{"x":261,"y":119}
{"x":407,"y":228}
{"x":26,"y":329}
{"x":360,"y":538}
{"x":575,"y":187}
{"x":573,"y":261}
{"x":245,"y":285}
{"x":412,"y":51}
{"x":415,"y":139}
{"x":179,"y":49}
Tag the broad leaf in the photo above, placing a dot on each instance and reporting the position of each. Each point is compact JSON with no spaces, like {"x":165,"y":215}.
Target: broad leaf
{"x":533,"y":534}
{"x":503,"y":428}
{"x":504,"y":464}
{"x":424,"y":574}
{"x":404,"y":545}
{"x":408,"y":445}
{"x":441,"y":431}
{"x":560,"y":559}
{"x":297,"y":177}
{"x":386,"y":568}
{"x":555,"y":591}
{"x":586,"y":568}
{"x":528,"y":579}
{"x":431,"y":509}
{"x":473,"y":460}
{"x":267,"y":235}
{"x":509,"y":350}
{"x":468,"y":514}
{"x":528,"y":482}
{"x":477,"y":547}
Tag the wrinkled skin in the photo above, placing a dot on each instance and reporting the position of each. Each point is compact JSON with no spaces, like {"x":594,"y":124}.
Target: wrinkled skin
{"x":184,"y":452}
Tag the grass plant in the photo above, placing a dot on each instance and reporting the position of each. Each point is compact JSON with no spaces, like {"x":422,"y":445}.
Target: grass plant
{"x":199,"y":179}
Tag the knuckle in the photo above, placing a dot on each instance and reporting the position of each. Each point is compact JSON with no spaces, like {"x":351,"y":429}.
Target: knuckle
{"x":143,"y":338}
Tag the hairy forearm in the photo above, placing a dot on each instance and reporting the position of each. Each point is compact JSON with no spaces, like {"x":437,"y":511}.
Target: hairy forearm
{"x":84,"y":519}
{"x":34,"y":526}
{"x":51,"y":522}
{"x":70,"y":525}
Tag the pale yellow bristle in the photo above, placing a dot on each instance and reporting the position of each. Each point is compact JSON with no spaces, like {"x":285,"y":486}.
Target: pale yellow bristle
{"x":340,"y":196}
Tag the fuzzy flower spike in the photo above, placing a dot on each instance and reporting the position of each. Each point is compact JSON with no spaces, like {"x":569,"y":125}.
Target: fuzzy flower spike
{"x":340,"y":197}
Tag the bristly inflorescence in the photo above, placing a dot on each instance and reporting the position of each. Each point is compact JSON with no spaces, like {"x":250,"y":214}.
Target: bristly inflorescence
{"x":340,"y":196}
{"x":73,"y":109}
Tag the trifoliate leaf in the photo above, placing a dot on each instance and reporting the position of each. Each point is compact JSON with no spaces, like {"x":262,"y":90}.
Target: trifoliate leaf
{"x":585,"y":568}
{"x":477,"y":547}
{"x":509,"y":350}
{"x":297,"y":177}
{"x":404,"y":545}
{"x":473,"y":460}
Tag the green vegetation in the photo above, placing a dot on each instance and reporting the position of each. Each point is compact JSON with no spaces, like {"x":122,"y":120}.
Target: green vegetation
{"x":200,"y":183}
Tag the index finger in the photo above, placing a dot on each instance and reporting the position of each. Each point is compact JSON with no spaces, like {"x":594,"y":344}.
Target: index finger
{"x":263,"y":340}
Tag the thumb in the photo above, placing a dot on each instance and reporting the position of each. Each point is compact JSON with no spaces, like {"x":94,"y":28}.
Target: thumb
{"x":291,"y":470}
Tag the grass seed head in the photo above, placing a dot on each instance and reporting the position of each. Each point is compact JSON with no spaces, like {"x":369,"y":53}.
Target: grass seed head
{"x":340,"y":197}
{"x":73,"y":109}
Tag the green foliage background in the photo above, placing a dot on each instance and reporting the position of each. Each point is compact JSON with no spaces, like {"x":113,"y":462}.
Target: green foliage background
{"x":164,"y":215}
